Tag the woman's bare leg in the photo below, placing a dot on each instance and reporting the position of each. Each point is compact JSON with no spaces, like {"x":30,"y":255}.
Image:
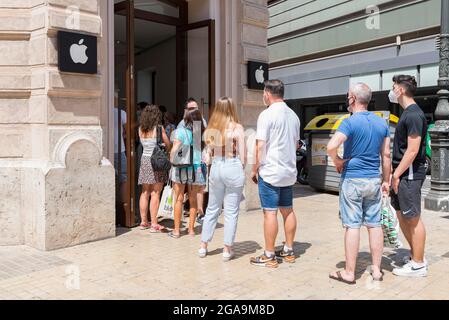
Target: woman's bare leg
{"x":155,"y":202}
{"x":193,"y":192}
{"x":143,"y":204}
{"x":178,"y":209}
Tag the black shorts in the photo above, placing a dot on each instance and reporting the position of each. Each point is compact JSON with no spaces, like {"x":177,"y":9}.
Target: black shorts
{"x":408,"y":199}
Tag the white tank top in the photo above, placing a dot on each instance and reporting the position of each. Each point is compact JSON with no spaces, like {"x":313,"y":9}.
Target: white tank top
{"x":148,"y":146}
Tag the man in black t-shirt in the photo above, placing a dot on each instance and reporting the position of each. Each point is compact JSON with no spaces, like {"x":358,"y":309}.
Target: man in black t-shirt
{"x":409,"y":158}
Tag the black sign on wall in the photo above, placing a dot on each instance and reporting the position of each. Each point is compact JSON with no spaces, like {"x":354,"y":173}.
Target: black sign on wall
{"x":77,"y":53}
{"x":257,"y":75}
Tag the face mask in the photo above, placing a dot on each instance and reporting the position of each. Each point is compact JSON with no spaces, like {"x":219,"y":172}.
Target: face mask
{"x":348,"y":105}
{"x":393,"y":97}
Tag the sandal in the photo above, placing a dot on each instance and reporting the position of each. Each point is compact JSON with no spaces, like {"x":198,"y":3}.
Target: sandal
{"x":174,"y":236}
{"x":339,"y":278}
{"x":157,"y":229}
{"x":144,"y":226}
{"x":378,"y":279}
{"x":192,"y":234}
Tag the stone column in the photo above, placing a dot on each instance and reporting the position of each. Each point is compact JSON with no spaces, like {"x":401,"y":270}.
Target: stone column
{"x":56,"y":189}
{"x":243,"y":33}
{"x":253,"y":25}
{"x":438,"y":197}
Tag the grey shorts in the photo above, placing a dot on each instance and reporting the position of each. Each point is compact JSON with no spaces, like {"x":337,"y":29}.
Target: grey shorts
{"x":408,"y":199}
{"x":188,"y":176}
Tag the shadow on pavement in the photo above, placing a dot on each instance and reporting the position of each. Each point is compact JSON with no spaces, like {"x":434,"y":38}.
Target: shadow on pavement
{"x":300,"y":248}
{"x":364,"y":261}
{"x":121,"y":231}
{"x":245,"y":248}
{"x":241,"y":249}
{"x":170,"y":224}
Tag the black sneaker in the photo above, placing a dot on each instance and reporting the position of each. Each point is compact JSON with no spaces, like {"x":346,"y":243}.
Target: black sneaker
{"x":264,"y":261}
{"x":288,"y":256}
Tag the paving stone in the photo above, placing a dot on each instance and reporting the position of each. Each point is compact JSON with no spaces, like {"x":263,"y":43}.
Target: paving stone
{"x":139,"y":265}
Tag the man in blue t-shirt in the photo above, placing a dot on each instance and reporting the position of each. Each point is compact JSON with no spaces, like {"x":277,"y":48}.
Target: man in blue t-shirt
{"x":366,"y":139}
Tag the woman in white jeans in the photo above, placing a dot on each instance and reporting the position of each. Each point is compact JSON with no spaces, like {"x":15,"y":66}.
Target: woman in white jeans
{"x":225,"y":139}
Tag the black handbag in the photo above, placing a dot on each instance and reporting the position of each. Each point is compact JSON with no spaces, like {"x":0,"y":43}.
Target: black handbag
{"x":159,"y":158}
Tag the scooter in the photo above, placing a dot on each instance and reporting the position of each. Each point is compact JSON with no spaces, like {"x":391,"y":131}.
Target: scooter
{"x":301,"y":163}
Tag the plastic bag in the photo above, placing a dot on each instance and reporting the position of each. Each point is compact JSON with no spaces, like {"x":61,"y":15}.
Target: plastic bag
{"x":166,"y":206}
{"x":390,"y":225}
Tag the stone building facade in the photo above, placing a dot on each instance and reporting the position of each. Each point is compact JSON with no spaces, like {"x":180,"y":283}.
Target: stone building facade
{"x":319,"y":48}
{"x":57,"y":180}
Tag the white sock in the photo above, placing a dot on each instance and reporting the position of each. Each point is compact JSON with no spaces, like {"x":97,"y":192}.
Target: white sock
{"x":269,"y":254}
{"x":287,"y":249}
{"x":417,"y":265}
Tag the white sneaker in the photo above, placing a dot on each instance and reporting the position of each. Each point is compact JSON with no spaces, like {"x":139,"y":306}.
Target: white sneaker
{"x":228,"y":256}
{"x":410,"y":270}
{"x":408,"y":259}
{"x":202,"y":253}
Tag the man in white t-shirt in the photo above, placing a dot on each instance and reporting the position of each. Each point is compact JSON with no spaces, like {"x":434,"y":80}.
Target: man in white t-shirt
{"x":278,"y":134}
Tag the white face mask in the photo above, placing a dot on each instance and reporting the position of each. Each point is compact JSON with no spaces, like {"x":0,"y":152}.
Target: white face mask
{"x":393,"y":97}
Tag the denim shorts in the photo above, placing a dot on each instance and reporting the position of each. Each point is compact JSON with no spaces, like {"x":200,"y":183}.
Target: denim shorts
{"x":274,"y":198}
{"x":123,"y":177}
{"x":361,"y":203}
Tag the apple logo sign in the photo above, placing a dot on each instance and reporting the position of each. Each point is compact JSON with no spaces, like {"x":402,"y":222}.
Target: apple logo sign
{"x":78,"y":52}
{"x":260,"y":78}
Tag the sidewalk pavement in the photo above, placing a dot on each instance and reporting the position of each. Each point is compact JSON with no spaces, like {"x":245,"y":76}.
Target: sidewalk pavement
{"x":140,"y":265}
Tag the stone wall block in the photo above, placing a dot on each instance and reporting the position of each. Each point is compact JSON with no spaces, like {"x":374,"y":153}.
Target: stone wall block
{"x":66,"y":110}
{"x":83,"y":5}
{"x":56,"y":190}
{"x":78,"y":205}
{"x":10,"y":223}
{"x":60,"y":19}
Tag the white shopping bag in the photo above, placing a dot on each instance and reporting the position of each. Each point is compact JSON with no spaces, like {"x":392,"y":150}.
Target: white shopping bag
{"x":390,"y":225}
{"x":166,"y":205}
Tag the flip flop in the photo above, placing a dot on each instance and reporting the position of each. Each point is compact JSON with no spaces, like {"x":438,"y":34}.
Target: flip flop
{"x":157,"y":229}
{"x":144,"y":226}
{"x":378,"y":279}
{"x":174,"y":236}
{"x":339,"y":278}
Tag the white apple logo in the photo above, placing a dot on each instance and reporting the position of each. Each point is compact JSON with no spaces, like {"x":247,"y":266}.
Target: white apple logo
{"x":78,"y":52}
{"x":260,"y":78}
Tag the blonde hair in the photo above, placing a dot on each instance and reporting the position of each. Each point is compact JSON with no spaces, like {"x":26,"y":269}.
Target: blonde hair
{"x":225,"y":112}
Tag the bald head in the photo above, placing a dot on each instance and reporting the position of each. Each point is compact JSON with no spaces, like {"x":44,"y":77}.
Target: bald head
{"x":362,"y":93}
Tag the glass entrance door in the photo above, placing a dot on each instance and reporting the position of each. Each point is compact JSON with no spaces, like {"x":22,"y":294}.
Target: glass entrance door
{"x":196,"y":65}
{"x":159,"y":59}
{"x":125,"y":90}
{"x":201,"y":76}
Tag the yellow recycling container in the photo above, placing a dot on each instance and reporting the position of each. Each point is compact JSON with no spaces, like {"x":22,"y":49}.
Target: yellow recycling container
{"x":319,"y":131}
